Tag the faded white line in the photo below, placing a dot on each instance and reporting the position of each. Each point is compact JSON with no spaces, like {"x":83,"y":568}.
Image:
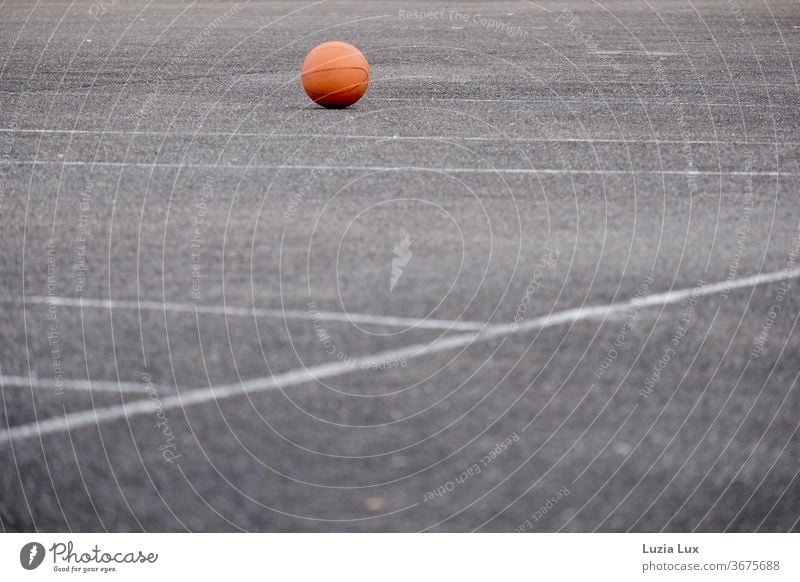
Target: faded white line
{"x":634,"y":53}
{"x":605,"y":102}
{"x":96,"y":416}
{"x":449,"y":170}
{"x":309,"y":136}
{"x":385,"y":320}
{"x":78,"y":385}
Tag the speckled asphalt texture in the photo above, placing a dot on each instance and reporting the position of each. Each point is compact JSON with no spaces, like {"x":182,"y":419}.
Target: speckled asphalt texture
{"x":224,"y":308}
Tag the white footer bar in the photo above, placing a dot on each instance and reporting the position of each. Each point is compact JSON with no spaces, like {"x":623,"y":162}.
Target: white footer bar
{"x":402,"y":557}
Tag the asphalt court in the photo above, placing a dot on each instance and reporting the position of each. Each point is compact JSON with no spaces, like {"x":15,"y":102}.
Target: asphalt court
{"x":542,"y":277}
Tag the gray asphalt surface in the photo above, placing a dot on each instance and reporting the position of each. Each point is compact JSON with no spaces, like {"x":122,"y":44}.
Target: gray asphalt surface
{"x":536,"y":157}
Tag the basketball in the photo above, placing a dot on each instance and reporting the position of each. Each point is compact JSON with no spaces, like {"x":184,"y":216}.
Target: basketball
{"x":335,"y":74}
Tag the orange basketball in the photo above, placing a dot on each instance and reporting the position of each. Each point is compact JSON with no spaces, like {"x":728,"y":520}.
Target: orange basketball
{"x":335,"y":74}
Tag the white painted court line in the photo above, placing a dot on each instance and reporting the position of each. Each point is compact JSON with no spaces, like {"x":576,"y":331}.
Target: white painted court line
{"x":385,"y":320}
{"x":602,"y":102}
{"x":455,"y":138}
{"x":448,"y":170}
{"x":78,"y":385}
{"x":96,"y":416}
